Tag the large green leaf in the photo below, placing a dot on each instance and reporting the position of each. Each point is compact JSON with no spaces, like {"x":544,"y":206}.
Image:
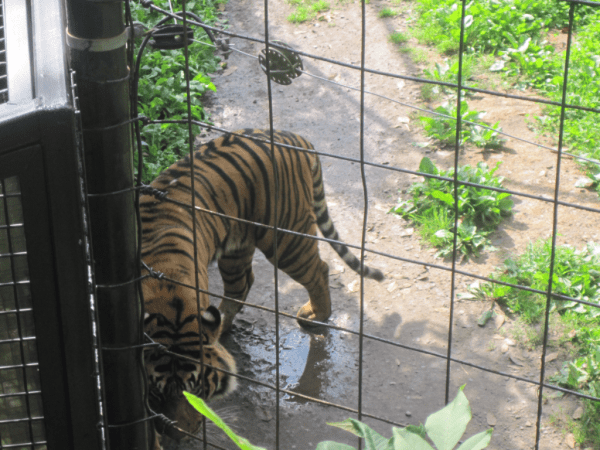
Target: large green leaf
{"x":373,"y":440}
{"x":446,"y":427}
{"x":426,"y":166}
{"x":203,"y":409}
{"x":330,"y":445}
{"x":477,"y":442}
{"x":444,"y":196}
{"x":404,"y":439}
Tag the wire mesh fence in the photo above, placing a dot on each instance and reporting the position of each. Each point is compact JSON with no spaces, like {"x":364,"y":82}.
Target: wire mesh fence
{"x":367,"y":341}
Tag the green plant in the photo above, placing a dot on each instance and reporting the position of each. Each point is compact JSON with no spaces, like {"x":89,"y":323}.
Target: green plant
{"x":162,"y":89}
{"x":387,"y":12}
{"x":576,"y":275}
{"x":307,"y":10}
{"x":418,"y":55}
{"x":443,"y":428}
{"x":515,"y":33}
{"x":203,"y":409}
{"x":397,"y":37}
{"x":444,"y":128}
{"x":480,"y":210}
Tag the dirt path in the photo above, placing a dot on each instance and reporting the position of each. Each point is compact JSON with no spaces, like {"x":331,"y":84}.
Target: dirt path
{"x":411,"y":306}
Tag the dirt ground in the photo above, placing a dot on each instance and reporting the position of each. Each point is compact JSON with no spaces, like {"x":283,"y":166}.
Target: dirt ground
{"x":411,"y":307}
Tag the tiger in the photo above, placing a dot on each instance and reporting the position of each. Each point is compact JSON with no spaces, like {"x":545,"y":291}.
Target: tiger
{"x":234,"y":176}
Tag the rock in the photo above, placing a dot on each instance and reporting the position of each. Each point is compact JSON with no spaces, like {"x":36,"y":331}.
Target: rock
{"x":578,"y":413}
{"x":263,"y":415}
{"x":491,"y":419}
{"x":515,"y":360}
{"x":504,"y":348}
{"x":354,"y":286}
{"x":570,"y":440}
{"x":408,"y":413}
{"x":551,"y":356}
{"x":499,"y":320}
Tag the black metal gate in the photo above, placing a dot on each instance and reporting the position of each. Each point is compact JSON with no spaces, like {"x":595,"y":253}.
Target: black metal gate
{"x":51,"y":392}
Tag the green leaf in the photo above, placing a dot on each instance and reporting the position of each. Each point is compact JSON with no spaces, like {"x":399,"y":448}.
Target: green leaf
{"x":446,"y":427}
{"x":477,"y":442}
{"x":373,"y":440}
{"x":427,"y":166}
{"x":404,"y":439}
{"x":444,"y":234}
{"x":444,"y":196}
{"x":203,"y":409}
{"x":330,"y":445}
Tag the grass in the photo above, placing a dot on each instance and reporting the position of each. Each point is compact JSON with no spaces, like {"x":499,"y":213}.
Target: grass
{"x":515,"y":34}
{"x":576,"y":275}
{"x":418,"y":55}
{"x":444,"y":129}
{"x":387,"y":12}
{"x":162,"y":88}
{"x":307,"y":10}
{"x":480,"y":210}
{"x":397,"y":37}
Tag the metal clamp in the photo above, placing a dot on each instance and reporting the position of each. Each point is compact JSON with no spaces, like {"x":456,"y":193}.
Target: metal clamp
{"x":98,"y":45}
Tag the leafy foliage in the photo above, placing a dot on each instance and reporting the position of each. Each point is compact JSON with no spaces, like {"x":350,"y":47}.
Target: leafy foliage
{"x":480,"y":210}
{"x":307,"y":9}
{"x":577,"y":275}
{"x":397,"y":37}
{"x":443,"y":428}
{"x":444,"y":129}
{"x":203,"y":409}
{"x":387,"y":12}
{"x":162,"y":89}
{"x":517,"y":33}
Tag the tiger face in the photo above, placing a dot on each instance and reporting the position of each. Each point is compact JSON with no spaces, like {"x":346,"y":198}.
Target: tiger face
{"x":171,"y":320}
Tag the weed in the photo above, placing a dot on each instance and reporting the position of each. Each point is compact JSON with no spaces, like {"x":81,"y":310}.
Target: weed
{"x":387,"y":12}
{"x":443,"y":428}
{"x":307,"y":10}
{"x":514,"y":32}
{"x":576,"y":275}
{"x":162,"y":91}
{"x":480,"y":210}
{"x":444,"y":129}
{"x":418,"y":55}
{"x":397,"y":37}
{"x":447,"y":72}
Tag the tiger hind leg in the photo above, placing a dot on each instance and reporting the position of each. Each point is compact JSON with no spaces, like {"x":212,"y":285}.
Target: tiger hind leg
{"x":237,"y":275}
{"x":301,"y":261}
{"x":318,"y":307}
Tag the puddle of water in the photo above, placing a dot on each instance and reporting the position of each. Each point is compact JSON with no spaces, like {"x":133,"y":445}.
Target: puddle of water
{"x":320,"y":364}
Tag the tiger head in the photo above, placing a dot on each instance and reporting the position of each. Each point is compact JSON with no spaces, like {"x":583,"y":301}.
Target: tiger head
{"x":171,"y":320}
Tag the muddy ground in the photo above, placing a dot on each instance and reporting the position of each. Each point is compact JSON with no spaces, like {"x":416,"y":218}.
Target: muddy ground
{"x":411,"y":307}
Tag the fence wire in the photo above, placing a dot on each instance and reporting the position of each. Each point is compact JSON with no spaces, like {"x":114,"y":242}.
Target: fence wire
{"x":215,"y":35}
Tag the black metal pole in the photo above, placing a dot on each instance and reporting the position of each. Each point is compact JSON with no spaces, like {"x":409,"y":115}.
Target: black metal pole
{"x":97,"y":40}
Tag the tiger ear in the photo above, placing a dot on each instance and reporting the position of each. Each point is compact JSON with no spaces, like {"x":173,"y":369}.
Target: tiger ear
{"x":211,"y":319}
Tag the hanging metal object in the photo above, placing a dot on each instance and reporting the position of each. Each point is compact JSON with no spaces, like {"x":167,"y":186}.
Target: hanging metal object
{"x":284,"y":64}
{"x":170,"y":37}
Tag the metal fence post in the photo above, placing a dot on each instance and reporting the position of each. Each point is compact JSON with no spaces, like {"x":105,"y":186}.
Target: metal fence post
{"x":97,"y":39}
